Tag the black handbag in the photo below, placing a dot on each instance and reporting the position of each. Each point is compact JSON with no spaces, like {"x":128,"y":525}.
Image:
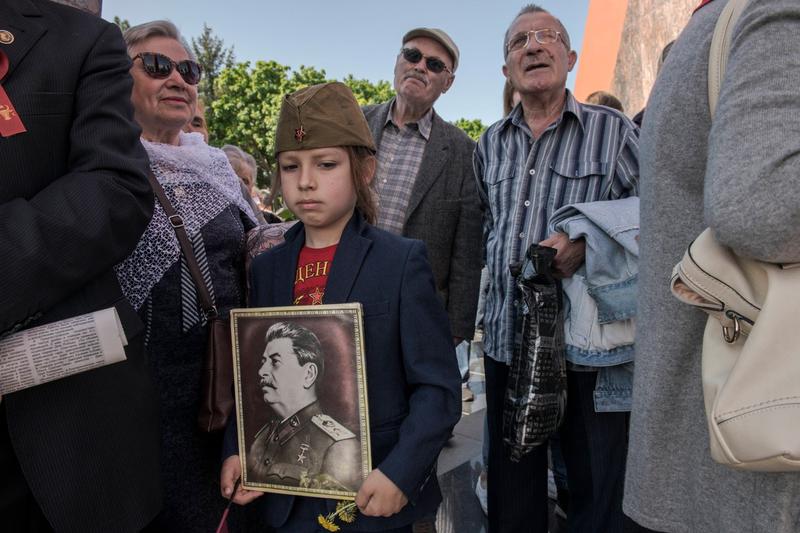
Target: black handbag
{"x":536,"y":394}
{"x":216,"y":382}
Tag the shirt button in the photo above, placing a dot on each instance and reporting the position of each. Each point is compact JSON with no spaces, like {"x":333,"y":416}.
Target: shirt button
{"x":531,"y":172}
{"x":516,"y":302}
{"x":521,"y":235}
{"x":527,"y":203}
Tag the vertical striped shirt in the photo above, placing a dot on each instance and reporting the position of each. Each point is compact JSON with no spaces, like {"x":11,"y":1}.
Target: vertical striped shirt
{"x":399,"y":158}
{"x":589,"y":154}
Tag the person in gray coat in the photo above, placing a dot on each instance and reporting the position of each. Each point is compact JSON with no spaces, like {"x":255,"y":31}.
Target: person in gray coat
{"x":425,"y":181}
{"x":739,"y":177}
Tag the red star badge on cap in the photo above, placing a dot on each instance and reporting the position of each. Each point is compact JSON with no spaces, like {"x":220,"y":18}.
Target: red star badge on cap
{"x":299,"y":133}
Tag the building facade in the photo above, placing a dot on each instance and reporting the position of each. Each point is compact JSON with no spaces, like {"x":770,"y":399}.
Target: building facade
{"x":622,"y":44}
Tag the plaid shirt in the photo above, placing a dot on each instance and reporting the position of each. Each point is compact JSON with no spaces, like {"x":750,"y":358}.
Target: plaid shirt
{"x":399,"y":158}
{"x":591,"y":153}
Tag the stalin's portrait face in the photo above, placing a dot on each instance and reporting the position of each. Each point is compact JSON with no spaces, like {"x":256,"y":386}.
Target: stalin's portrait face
{"x":289,"y":370}
{"x":283,"y":378}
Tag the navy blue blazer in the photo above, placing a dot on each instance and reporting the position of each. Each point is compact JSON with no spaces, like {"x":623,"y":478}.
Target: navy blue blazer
{"x":413,"y":382}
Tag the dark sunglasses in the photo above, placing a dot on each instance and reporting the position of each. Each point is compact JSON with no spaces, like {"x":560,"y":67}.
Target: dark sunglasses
{"x":434,"y":64}
{"x":160,"y":66}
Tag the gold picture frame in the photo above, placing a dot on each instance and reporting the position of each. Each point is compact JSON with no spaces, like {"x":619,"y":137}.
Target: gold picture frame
{"x":301,"y":399}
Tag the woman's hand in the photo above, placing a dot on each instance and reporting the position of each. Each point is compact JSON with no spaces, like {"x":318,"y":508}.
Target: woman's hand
{"x":231,"y":471}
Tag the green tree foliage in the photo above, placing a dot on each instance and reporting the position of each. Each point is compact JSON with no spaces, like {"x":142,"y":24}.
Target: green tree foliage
{"x":213,"y":56}
{"x":367,"y":92}
{"x":474,"y":128}
{"x":248,"y":100}
{"x":122,"y":23}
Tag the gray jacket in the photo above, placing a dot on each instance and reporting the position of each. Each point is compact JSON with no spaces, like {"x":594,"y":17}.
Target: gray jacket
{"x":444,"y":213}
{"x":740,"y":178}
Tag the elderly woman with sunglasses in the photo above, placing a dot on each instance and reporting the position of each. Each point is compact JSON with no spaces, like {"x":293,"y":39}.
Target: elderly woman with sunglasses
{"x":204,"y":190}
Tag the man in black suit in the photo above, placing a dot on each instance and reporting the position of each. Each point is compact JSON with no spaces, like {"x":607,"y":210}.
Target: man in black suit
{"x":80,"y":453}
{"x":425,"y":181}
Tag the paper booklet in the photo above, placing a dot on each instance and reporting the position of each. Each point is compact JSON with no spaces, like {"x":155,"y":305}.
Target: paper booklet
{"x":60,"y":349}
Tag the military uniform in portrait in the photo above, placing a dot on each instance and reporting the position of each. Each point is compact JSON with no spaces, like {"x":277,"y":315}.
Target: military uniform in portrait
{"x":308,"y":450}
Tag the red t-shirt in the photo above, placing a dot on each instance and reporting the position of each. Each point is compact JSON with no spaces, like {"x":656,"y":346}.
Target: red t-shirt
{"x":313,"y":267}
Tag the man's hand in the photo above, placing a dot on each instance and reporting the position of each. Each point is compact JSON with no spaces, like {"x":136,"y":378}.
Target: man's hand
{"x":569,"y":255}
{"x":379,"y":496}
{"x":231,"y":471}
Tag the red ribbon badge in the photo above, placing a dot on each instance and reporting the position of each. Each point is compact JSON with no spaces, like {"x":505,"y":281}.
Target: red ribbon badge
{"x":10,"y":123}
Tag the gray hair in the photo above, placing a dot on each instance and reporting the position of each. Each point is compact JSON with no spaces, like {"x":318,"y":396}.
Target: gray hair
{"x":534,"y":8}
{"x":157,"y":28}
{"x":239,"y":157}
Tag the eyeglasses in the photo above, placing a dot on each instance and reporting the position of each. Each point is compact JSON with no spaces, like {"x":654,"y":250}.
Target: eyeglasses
{"x":522,"y":39}
{"x":434,"y":64}
{"x":159,"y":66}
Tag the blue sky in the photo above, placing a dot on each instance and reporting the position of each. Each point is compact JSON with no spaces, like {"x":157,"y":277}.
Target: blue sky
{"x":362,"y":37}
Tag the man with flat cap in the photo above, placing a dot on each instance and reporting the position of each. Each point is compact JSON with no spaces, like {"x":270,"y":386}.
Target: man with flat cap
{"x":425,"y":180}
{"x":301,"y":446}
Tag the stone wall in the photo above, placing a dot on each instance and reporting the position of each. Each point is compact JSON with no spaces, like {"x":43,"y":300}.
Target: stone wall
{"x":649,"y":26}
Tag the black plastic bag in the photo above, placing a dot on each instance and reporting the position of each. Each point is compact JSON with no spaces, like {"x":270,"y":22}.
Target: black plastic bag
{"x":536,"y":393}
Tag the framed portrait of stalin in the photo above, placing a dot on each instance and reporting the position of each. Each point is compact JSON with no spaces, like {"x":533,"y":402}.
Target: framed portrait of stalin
{"x":301,"y":399}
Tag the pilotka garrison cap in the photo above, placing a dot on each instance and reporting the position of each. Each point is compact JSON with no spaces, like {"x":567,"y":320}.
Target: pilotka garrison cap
{"x":321,"y":115}
{"x":440,"y":37}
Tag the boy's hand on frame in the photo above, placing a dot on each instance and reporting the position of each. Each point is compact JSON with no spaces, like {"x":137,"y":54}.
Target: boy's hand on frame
{"x":231,"y":471}
{"x":379,"y":496}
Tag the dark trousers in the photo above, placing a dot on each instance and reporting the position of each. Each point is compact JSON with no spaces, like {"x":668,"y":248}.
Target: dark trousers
{"x":19,"y":512}
{"x":517,"y":492}
{"x":594,"y":446}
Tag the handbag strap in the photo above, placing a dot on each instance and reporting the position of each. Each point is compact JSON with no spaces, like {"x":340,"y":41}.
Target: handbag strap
{"x":720,"y":49}
{"x":176,"y":221}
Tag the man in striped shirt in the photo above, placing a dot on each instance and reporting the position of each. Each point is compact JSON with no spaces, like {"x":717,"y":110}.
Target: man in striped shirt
{"x":550,"y":151}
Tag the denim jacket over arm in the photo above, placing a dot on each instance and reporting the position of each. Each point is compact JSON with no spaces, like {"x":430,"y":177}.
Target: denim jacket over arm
{"x":601,"y":296}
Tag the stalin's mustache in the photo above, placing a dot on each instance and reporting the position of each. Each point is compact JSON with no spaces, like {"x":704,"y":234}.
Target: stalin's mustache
{"x":264,"y":382}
